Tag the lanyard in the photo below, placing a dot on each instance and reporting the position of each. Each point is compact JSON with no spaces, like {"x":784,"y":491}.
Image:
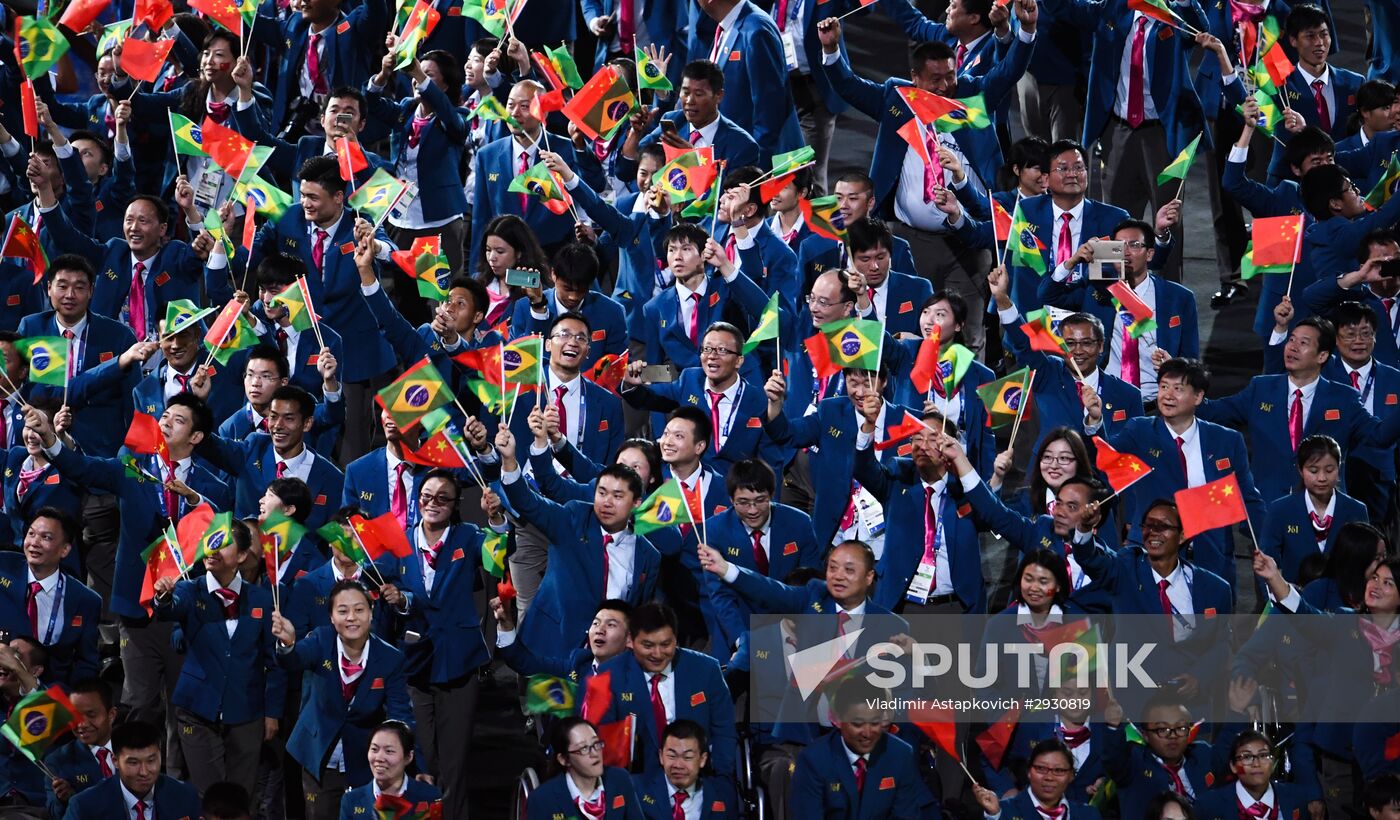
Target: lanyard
{"x":733,"y":411}
{"x":75,"y":357}
{"x":1370,"y":382}
{"x":53,"y":610}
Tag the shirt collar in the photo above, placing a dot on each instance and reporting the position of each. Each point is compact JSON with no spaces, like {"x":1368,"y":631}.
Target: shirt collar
{"x":363,"y":661}
{"x":1092,"y":380}
{"x":729,"y":392}
{"x":571,"y":386}
{"x":403,"y":784}
{"x":1247,"y":800}
{"x":855,"y":612}
{"x":732,"y":17}
{"x":1363,"y":371}
{"x":1188,"y":436}
{"x":420,"y":536}
{"x":236,"y":585}
{"x":231,"y":99}
{"x":683,"y":292}
{"x":79,"y":327}
{"x":330,"y":232}
{"x":707,"y":132}
{"x":852,"y":757}
{"x":776,"y":224}
{"x":135,"y":259}
{"x":690,"y":793}
{"x":1023,"y":614}
{"x":1307,"y":499}
{"x":1075,"y":213}
{"x":296,"y":461}
{"x":338,"y":575}
{"x":48,"y":583}
{"x":1177,"y":575}
{"x":1309,"y":79}
{"x":390,"y":459}
{"x":575,"y":794}
{"x":974,"y":43}
{"x":1308,"y":389}
{"x":130,"y":800}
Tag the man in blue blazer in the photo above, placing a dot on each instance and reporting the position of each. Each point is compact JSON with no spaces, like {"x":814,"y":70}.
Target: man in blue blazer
{"x":741,"y":227}
{"x":576,"y":269}
{"x":698,"y":124}
{"x":40,"y":601}
{"x":1183,"y":451}
{"x":759,"y":534}
{"x":343,"y":114}
{"x":1307,"y":148}
{"x":591,"y":549}
{"x":1168,"y":760}
{"x":607,"y":638}
{"x":859,"y":771}
{"x":499,"y":162}
{"x":662,"y":20}
{"x":281,"y":452}
{"x":677,"y":785}
{"x":747,"y":47}
{"x":1173,"y":309}
{"x":382,"y":481}
{"x":1318,"y":94}
{"x":1060,"y":392}
{"x":263,"y":370}
{"x":178,"y":371}
{"x":894,"y":298}
{"x":1338,"y":226}
{"x":1364,"y":286}
{"x":1282,"y":410}
{"x":87,"y":759}
{"x":137,"y":746}
{"x":855,"y":199}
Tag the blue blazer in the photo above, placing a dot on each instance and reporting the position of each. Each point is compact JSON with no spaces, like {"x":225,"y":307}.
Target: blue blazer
{"x":1177,"y":331}
{"x":1288,"y":531}
{"x":600,"y":436}
{"x":494,"y":167}
{"x":818,"y":253}
{"x":307,"y":604}
{"x":634,"y":236}
{"x":974,"y":426}
{"x":792,"y":545}
{"x":551,"y":800}
{"x":304,"y":373}
{"x":174,"y":800}
{"x":74,"y":762}
{"x":662,"y":19}
{"x":1262,"y":200}
{"x":359,"y":801}
{"x":769,"y":262}
{"x":1263,"y":406}
{"x":732,"y":144}
{"x":1221,"y":23}
{"x":1366,"y":164}
{"x":1140,"y":777}
{"x":326,"y":717}
{"x":1022,"y":807}
{"x":1300,"y":98}
{"x":1223,"y":803}
{"x":1222,"y":453}
{"x":607,"y":323}
{"x":756,"y":96}
{"x":451,"y":646}
{"x":367,"y":485}
{"x":439,"y":152}
{"x":344,"y":60}
{"x":824,"y":783}
{"x":904,"y":302}
{"x":227,"y":679}
{"x":336,"y":291}
{"x":570,"y":594}
{"x":325,"y":431}
{"x":883,"y":104}
{"x":48,"y":490}
{"x":73,"y":656}
{"x":900,"y":490}
{"x":287,"y":158}
{"x":701,"y":696}
{"x":666,"y":339}
{"x":1320,"y":298}
{"x":717,"y":796}
{"x":143,"y":517}
{"x":253,"y":464}
{"x":225,"y":391}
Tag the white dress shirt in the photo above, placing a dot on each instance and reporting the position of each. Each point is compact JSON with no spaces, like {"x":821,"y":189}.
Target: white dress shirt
{"x":46,"y":600}
{"x":298,"y":466}
{"x":1363,"y":374}
{"x":694,"y":801}
{"x":1191,"y":448}
{"x":1146,"y":290}
{"x":1327,"y":93}
{"x":728,"y":407}
{"x":1076,"y":222}
{"x":130,"y":800}
{"x":1309,"y":391}
{"x":1125,"y":65}
{"x":1179,"y":594}
{"x":210,"y":583}
{"x":573,"y":397}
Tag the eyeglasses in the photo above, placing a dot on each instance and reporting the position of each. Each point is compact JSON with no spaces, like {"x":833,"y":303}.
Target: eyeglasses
{"x":1357,"y":335}
{"x":1135,"y":244}
{"x":824,"y":303}
{"x":438,"y":500}
{"x":753,"y":503}
{"x":1250,"y":759}
{"x":1051,"y":771}
{"x":1063,"y":461}
{"x":709,"y":350}
{"x":565,"y":336}
{"x":1076,"y":169}
{"x":1158,"y":526}
{"x":1082,"y":344}
{"x":1170,"y":731}
{"x":591,"y":749}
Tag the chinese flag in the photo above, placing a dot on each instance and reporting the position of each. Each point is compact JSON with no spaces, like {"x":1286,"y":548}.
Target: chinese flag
{"x":144,"y":60}
{"x":351,"y":158}
{"x":1392,"y":747}
{"x":617,"y":741}
{"x":1001,"y":222}
{"x":155,"y":14}
{"x":904,"y":430}
{"x":597,"y":696}
{"x":1277,"y":240}
{"x":1209,"y":506}
{"x":996,"y":738}
{"x":484,"y":360}
{"x":250,"y":223}
{"x":381,"y":535}
{"x":192,"y":528}
{"x":28,"y":109}
{"x":817,"y":351}
{"x":224,"y":12}
{"x":608,"y":371}
{"x":226,"y":147}
{"x":1121,"y":469}
{"x":144,"y":437}
{"x":928,"y":106}
{"x":80,"y":14}
{"x":940,"y":727}
{"x":926,"y":370}
{"x":772,"y":187}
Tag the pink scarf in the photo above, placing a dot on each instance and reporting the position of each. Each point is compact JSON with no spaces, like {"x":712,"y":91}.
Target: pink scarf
{"x":1382,"y":643}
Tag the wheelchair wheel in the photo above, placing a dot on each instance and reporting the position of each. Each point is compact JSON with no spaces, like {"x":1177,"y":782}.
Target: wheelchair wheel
{"x":528,"y":781}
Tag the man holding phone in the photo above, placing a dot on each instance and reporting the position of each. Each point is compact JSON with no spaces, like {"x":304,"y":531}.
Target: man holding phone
{"x":1375,"y":283}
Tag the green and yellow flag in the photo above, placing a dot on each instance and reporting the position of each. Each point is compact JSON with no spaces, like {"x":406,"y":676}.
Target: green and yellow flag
{"x":973,"y":114}
{"x":268,"y":200}
{"x":1023,"y":246}
{"x":186,"y":136}
{"x":491,"y":109}
{"x":953,"y":365}
{"x":669,"y":506}
{"x":792,"y":160}
{"x":427,"y":265}
{"x":418,"y":392}
{"x":378,"y":195}
{"x":767,"y":325}
{"x":539,"y":181}
{"x":824,"y":216}
{"x":216,"y":537}
{"x":215,"y":226}
{"x":521,"y":360}
{"x":294,"y":300}
{"x":854,"y":343}
{"x":231,"y":332}
{"x":493,"y":552}
{"x":688,"y":176}
{"x":489,"y":394}
{"x":1003,"y":397}
{"x":38,"y":721}
{"x":181,"y":313}
{"x":1269,"y":115}
{"x":280,"y":535}
{"x":1180,"y":165}
{"x":1387,"y":185}
{"x":38,"y":45}
{"x":548,"y":695}
{"x":335,"y":535}
{"x":564,"y":65}
{"x":48,"y":358}
{"x":649,"y":74}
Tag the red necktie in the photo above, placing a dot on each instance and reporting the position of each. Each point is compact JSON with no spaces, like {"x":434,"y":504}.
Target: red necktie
{"x":563,"y":412}
{"x":67,"y":334}
{"x":1131,"y":364}
{"x":607,"y":541}
{"x":282,"y":340}
{"x":432,"y":550}
{"x":860,"y":774}
{"x":1181,"y":454}
{"x":1356,"y":380}
{"x":219,"y":111}
{"x":695,"y":136}
{"x":627,"y":25}
{"x":104,"y":759}
{"x":32,"y":606}
{"x":1064,"y":245}
{"x":230,"y":602}
{"x":658,"y":706}
{"x":1321,"y":524}
{"x":600,"y":149}
{"x":140,"y":810}
{"x":677,"y":810}
{"x":184,"y":382}
{"x":760,"y":556}
{"x":842,"y":618}
{"x":415,"y":135}
{"x":521,"y":167}
{"x":782,"y":14}
{"x":1323,"y":115}
{"x":695,"y":319}
{"x":930,"y":531}
{"x":170,"y":502}
{"x":719,"y":39}
{"x":1074,"y":738}
{"x":1295,"y":420}
{"x":1136,"y":109}
{"x":1389,"y":305}
{"x":730,"y":245}
{"x":1174,"y":772}
{"x":318,"y":251}
{"x":313,"y":65}
{"x":349,"y":670}
{"x":1165,"y":601}
{"x":715,"y":399}
{"x":1051,"y":814}
{"x":1253,"y":812}
{"x":136,"y":303}
{"x":933,"y":169}
{"x":398,"y":499}
{"x":281,"y":469}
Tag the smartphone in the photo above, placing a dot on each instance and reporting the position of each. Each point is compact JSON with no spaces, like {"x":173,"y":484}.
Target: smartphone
{"x":1390,"y":268}
{"x":1107,"y":252}
{"x":522,"y":278}
{"x":409,"y":636}
{"x":343,"y":118}
{"x":659,"y":373}
{"x":669,"y":127}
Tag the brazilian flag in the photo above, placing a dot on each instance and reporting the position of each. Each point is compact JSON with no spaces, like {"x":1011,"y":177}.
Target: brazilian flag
{"x":38,"y":720}
{"x":38,"y":44}
{"x":378,"y":195}
{"x":268,"y":200}
{"x":669,"y":506}
{"x":418,"y":392}
{"x":334,"y":534}
{"x":973,"y":114}
{"x":649,"y":74}
{"x":767,"y":325}
{"x":1386,"y":185}
{"x":1023,"y":246}
{"x":48,"y":358}
{"x":493,"y":552}
{"x":188,"y":142}
{"x":546,"y":694}
{"x":854,"y":343}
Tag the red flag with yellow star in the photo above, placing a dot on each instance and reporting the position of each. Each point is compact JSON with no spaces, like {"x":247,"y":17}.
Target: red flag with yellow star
{"x":1277,"y":240}
{"x":1121,"y":469}
{"x":1210,"y":506}
{"x":223,"y":12}
{"x":145,"y":438}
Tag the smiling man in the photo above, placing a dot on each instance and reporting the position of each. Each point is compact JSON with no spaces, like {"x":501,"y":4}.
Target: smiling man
{"x":80,"y":766}
{"x":137,"y":747}
{"x":43,"y":603}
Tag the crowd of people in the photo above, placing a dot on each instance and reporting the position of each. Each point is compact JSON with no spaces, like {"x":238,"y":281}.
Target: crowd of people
{"x":532,"y":299}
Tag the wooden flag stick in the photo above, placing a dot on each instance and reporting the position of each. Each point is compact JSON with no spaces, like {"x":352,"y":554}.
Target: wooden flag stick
{"x":1021,"y":409}
{"x":311,"y":309}
{"x":369,"y":562}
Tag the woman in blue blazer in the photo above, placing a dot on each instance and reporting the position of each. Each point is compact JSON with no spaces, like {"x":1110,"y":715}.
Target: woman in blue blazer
{"x":32,"y":483}
{"x":390,"y":753}
{"x":352,"y":682}
{"x":581,"y":787}
{"x":506,"y":243}
{"x":1307,"y":523}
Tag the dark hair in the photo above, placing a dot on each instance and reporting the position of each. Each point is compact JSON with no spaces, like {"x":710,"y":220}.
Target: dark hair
{"x":294,"y":493}
{"x":268,"y":353}
{"x":1035,"y":484}
{"x":485,"y":45}
{"x":399,"y":728}
{"x":278,"y":270}
{"x":451,"y":70}
{"x":1383,"y":791}
{"x":1148,"y":232}
{"x":1165,"y":698}
{"x":344,"y":514}
{"x":323,"y":170}
{"x":1318,"y":445}
{"x":135,"y":735}
{"x":1391,"y":563}
{"x":162,"y":210}
{"x":933,"y":51}
{"x":1371,"y":95}
{"x":559,"y":741}
{"x":1054,"y":563}
{"x":625,"y":474}
{"x":853,"y":691}
{"x":859,"y":177}
{"x":706,"y":71}
{"x":652,"y":454}
{"x":683,"y":232}
{"x":481,"y":301}
{"x":1097,"y":490}
{"x":1064,"y":146}
{"x":201,"y":417}
{"x":981,"y":8}
{"x":1248,"y":736}
{"x":1304,"y":17}
{"x":746,"y":175}
{"x":697,"y":418}
{"x":104,"y":147}
{"x":528,"y":254}
{"x":652,"y":616}
{"x":1030,"y":152}
{"x":956,"y":303}
{"x":653,"y":151}
{"x":577,"y":263}
{"x":306,"y":405}
{"x":1321,"y":185}
{"x":1157,"y":806}
{"x":70,"y":262}
{"x":616,"y":605}
{"x":860,"y":546}
{"x":1350,"y":313}
{"x":225,"y":800}
{"x":1351,"y":554}
{"x":1379,"y":236}
{"x":570,"y":316}
{"x":1051,"y":746}
{"x":725,"y":327}
{"x":443,"y":474}
{"x":686,"y":729}
{"x":94,"y":686}
{"x":750,"y":474}
{"x":1190,"y":371}
{"x":347,"y":585}
{"x":1311,"y":140}
{"x":347,"y":92}
{"x":65,"y":519}
{"x":1326,"y":333}
{"x":867,"y":234}
{"x":1082,"y":318}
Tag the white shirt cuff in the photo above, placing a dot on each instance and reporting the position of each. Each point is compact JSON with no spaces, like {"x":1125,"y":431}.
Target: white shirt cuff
{"x":536,"y":450}
{"x":244,"y":106}
{"x":218,"y":257}
{"x":493,"y":80}
{"x":52,"y":452}
{"x":744,"y":243}
{"x":511,"y":476}
{"x":373,"y":87}
{"x":423,"y":86}
{"x":63,"y":151}
{"x":331,"y":396}
{"x":1291,"y":601}
{"x":970,"y":481}
{"x":1277,"y":337}
{"x":488,"y":457}
{"x":572,"y":183}
{"x":382,"y":249}
{"x":831,"y":59}
{"x":539,"y":315}
{"x":1238,"y":153}
{"x":1010,"y":316}
{"x":504,"y":637}
{"x":457,"y":345}
{"x":1232,"y":77}
{"x":863,"y":439}
{"x":731,"y":574}
{"x":1081,"y":537}
{"x":10,"y":148}
{"x":1025,"y":36}
{"x":1061,"y":273}
{"x":369,"y":290}
{"x":121,"y":151}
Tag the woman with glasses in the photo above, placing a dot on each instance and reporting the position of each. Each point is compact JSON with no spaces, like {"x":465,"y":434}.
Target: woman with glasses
{"x":351,"y":682}
{"x":433,"y":592}
{"x":580,"y":785}
{"x":390,"y":754}
{"x":1062,"y":454}
{"x":1050,"y":772}
{"x":1255,"y":793}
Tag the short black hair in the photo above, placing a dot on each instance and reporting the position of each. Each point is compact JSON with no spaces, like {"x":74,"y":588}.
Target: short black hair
{"x":956,"y":303}
{"x":625,"y":474}
{"x":294,"y":493}
{"x":1379,"y":236}
{"x":1318,"y":445}
{"x":863,"y":548}
{"x":1051,"y":746}
{"x":697,"y":418}
{"x":577,"y":263}
{"x":1053,"y":563}
{"x":1249,"y":736}
{"x":750,"y":474}
{"x":616,"y":605}
{"x":1063,"y":146}
{"x":652,"y":616}
{"x":655,"y":152}
{"x":65,"y":519}
{"x":867,"y":234}
{"x":347,"y":585}
{"x":162,"y":210}
{"x":1383,"y":791}
{"x":1311,"y":140}
{"x":747,"y":175}
{"x":1326,"y":333}
{"x":324,"y":171}
{"x":1304,"y":17}
{"x":686,"y":729}
{"x":1190,"y":371}
{"x":480,"y":299}
{"x":306,"y":405}
{"x":277,"y":271}
{"x":485,"y":45}
{"x":94,"y":686}
{"x":1321,"y":185}
{"x":704,"y":70}
{"x":725,"y":327}
{"x":1084,"y":318}
{"x":855,"y":177}
{"x":1371,"y":95}
{"x":135,"y":735}
{"x":268,"y":353}
{"x":70,"y":262}
{"x":1148,"y":231}
{"x":451,"y":70}
{"x":571,"y":316}
{"x":226,"y":801}
{"x":1030,"y":152}
{"x":1350,"y":313}
{"x":687,"y":232}
{"x":201,"y":417}
{"x":933,"y":51}
{"x":397,"y":727}
{"x":856,"y":690}
{"x":347,"y":92}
